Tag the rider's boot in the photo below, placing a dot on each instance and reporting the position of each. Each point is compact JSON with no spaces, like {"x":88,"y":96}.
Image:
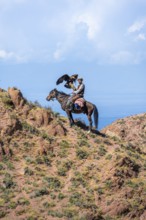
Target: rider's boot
{"x":70,"y":105}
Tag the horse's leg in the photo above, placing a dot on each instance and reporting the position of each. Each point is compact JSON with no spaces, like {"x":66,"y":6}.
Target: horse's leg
{"x":90,"y":122}
{"x":71,"y":121}
{"x":72,"y":118}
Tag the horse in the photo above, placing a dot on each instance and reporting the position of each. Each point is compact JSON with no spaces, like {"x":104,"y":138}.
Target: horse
{"x":88,"y":108}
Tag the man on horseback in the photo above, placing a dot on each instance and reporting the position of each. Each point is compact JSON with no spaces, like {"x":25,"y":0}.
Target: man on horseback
{"x":77,"y":93}
{"x":67,"y":102}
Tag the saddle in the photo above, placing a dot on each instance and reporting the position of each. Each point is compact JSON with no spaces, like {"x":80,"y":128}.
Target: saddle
{"x":79,"y":103}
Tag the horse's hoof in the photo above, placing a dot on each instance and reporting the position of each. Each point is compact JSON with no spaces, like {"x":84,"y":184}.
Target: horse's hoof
{"x":88,"y":132}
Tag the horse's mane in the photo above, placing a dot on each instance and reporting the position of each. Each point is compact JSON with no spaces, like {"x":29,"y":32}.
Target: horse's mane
{"x":63,"y":93}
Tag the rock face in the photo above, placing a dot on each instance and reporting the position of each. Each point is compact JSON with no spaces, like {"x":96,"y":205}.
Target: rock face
{"x":16,"y":97}
{"x":9,"y":123}
{"x":128,"y":129}
{"x":40,"y":117}
{"x":57,"y":129}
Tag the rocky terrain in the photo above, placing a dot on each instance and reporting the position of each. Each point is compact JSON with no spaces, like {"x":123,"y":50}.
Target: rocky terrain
{"x":51,"y":171}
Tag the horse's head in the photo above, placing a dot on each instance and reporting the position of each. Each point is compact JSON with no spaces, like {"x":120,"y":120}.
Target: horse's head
{"x":52,"y":95}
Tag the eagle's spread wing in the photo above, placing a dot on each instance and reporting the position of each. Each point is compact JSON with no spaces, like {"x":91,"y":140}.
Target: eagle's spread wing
{"x":62,"y":78}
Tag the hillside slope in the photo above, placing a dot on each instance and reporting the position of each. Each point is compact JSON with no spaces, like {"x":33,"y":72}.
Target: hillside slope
{"x":51,"y":171}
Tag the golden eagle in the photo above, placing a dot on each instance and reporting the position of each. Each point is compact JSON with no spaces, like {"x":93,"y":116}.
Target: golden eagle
{"x":69,"y":80}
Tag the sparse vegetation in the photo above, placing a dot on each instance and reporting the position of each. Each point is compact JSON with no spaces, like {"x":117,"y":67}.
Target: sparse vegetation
{"x":53,"y":182}
{"x":8,"y":181}
{"x":29,"y":128}
{"x":64,"y":167}
{"x":41,"y":192}
{"x":102,"y":151}
{"x":45,"y":174}
{"x":6,"y":100}
{"x":28,"y":171}
{"x":82,"y":153}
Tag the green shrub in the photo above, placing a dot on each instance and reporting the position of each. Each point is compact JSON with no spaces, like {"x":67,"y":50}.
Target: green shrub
{"x":66,"y":165}
{"x":63,"y":153}
{"x":2,"y":214}
{"x":29,"y":128}
{"x":2,"y":202}
{"x":76,"y":199}
{"x":47,"y":161}
{"x":82,"y":135}
{"x":102,"y":151}
{"x":82,"y":143}
{"x":61,"y":196}
{"x":10,"y":166}
{"x":132,"y":184}
{"x":27,"y":146}
{"x":82,"y":153}
{"x":54,"y":213}
{"x":8,"y":181}
{"x":97,"y":141}
{"x":62,"y":171}
{"x":107,"y":217}
{"x":64,"y":144}
{"x":7,"y":101}
{"x":41,"y":192}
{"x":49,"y":204}
{"x":109,"y":157}
{"x":56,"y":114}
{"x":53,"y":182}
{"x":43,"y":160}
{"x":12,"y":205}
{"x":108,"y":184}
{"x":100,"y":191}
{"x":46,"y":137}
{"x":28,"y":171}
{"x":78,"y":179}
{"x":23,"y":201}
{"x":70,"y":212}
{"x":29,"y":160}
{"x":52,"y":195}
{"x":2,"y":166}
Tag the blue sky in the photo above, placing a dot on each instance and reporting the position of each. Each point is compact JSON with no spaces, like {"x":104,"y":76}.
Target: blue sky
{"x":104,"y":41}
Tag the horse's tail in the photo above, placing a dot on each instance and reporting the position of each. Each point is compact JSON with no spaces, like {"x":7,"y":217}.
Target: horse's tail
{"x":96,"y":116}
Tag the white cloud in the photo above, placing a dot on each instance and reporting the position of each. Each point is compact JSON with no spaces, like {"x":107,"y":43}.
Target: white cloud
{"x":91,"y":22}
{"x":137,"y":26}
{"x":141,"y":37}
{"x":124,"y":57}
{"x":58,"y":54}
{"x":94,"y":29}
{"x":11,"y":56}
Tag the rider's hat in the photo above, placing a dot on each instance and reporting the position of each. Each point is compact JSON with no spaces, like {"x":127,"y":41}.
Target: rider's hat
{"x":80,"y":79}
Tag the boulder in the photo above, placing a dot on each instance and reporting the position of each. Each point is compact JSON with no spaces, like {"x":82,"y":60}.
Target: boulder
{"x":57,"y":129}
{"x":40,"y":117}
{"x":16,"y":97}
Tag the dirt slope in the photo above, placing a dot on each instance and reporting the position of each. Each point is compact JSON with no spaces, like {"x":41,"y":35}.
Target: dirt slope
{"x":51,"y":171}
